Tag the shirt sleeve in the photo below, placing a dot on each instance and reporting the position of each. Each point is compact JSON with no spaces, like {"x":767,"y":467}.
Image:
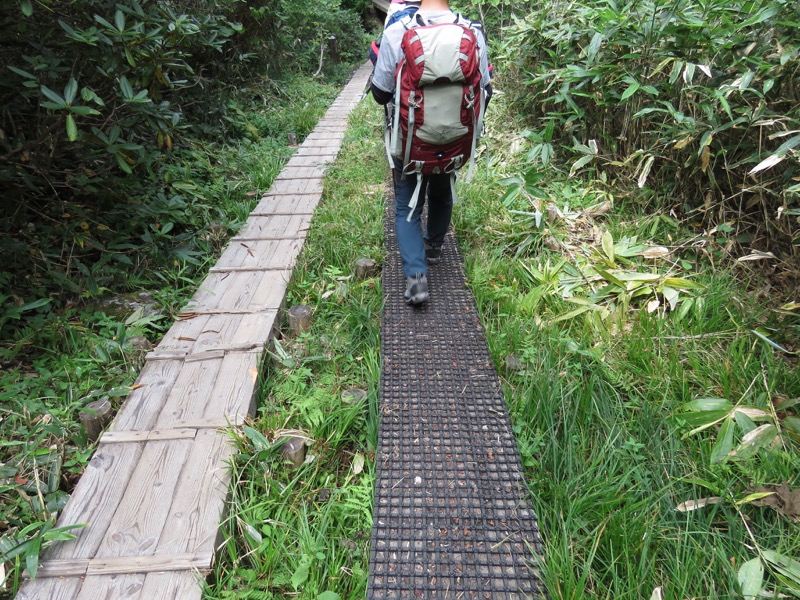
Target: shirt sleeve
{"x":383,"y":77}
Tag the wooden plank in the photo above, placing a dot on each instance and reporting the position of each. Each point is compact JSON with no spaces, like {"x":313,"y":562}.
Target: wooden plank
{"x":137,"y":523}
{"x":112,"y":587}
{"x":63,"y":568}
{"x":199,"y":499}
{"x":262,"y":254}
{"x":189,"y":395}
{"x":288,"y":205}
{"x":330,"y":154}
{"x":309,"y":161}
{"x":151,"y":390}
{"x":325,"y":136}
{"x":296,"y":186}
{"x":234,"y":389}
{"x":178,"y":585}
{"x":248,"y":292}
{"x":122,"y":437}
{"x":150,"y":564}
{"x":292,"y":172}
{"x":266,"y":227}
{"x":48,"y":588}
{"x":224,"y":331}
{"x":213,"y":395}
{"x":95,"y":499}
{"x":220,"y":423}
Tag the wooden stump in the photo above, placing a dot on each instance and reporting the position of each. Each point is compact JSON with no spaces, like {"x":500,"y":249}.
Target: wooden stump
{"x":294,"y":449}
{"x":94,"y":417}
{"x":292,"y":139}
{"x":300,"y":319}
{"x":366,"y":268}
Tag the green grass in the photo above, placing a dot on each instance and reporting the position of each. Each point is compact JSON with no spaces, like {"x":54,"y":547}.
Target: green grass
{"x":304,"y":532}
{"x":598,"y":404}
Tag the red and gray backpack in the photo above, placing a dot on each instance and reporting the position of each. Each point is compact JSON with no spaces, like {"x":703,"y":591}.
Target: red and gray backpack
{"x":438,"y":103}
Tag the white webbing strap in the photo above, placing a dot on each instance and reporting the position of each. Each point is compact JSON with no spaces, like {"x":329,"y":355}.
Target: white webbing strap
{"x":412,"y":204}
{"x":387,"y":133}
{"x":394,"y":150}
{"x":476,"y":134}
{"x":453,"y":186}
{"x":412,"y":104}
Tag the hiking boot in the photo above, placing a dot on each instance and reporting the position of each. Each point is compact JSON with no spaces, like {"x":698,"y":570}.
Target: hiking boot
{"x":433,"y":254}
{"x":416,"y":289}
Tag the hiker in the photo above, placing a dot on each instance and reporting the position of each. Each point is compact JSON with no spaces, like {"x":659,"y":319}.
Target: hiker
{"x":423,"y":166}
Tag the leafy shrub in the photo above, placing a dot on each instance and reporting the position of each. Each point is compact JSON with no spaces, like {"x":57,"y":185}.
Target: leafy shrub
{"x":698,"y":100}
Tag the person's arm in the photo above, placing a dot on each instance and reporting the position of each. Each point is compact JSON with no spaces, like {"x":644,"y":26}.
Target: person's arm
{"x":381,"y":96}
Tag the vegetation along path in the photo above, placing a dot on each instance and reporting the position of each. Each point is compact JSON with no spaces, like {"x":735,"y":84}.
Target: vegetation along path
{"x":153,"y":494}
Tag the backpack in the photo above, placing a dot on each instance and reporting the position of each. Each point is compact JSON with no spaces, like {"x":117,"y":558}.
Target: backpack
{"x":375,"y":46}
{"x":439,"y":103}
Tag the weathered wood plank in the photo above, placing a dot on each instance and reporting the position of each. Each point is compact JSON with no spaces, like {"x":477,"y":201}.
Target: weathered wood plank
{"x":212,"y":332}
{"x":199,"y":499}
{"x":151,"y":390}
{"x":137,"y":523}
{"x":296,"y":186}
{"x":286,"y":205}
{"x":67,"y":567}
{"x":112,"y":587}
{"x":234,"y":389}
{"x":49,"y":588}
{"x":95,"y":499}
{"x":189,"y":395}
{"x":309,"y":161}
{"x":123,"y":437}
{"x":248,"y":292}
{"x":149,"y":564}
{"x":178,"y":585}
{"x":262,"y":254}
{"x":220,"y":423}
{"x":329,"y":153}
{"x":274,"y":226}
{"x":292,"y":172}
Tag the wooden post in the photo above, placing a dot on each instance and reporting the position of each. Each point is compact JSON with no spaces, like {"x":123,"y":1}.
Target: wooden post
{"x":366,"y":268}
{"x":292,"y":139}
{"x":94,"y":418}
{"x":294,"y":449}
{"x":300,"y":319}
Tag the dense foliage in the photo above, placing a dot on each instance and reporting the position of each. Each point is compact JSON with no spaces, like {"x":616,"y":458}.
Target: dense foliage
{"x":696,"y":101}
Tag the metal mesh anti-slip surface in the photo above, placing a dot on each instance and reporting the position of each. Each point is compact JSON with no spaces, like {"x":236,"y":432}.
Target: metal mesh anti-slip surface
{"x":451,"y":515}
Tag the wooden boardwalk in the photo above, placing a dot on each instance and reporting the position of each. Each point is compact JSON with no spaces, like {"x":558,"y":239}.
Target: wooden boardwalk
{"x":155,"y":490}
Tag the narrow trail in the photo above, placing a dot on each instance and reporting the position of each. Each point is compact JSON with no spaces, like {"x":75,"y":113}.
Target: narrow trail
{"x":451,"y":518}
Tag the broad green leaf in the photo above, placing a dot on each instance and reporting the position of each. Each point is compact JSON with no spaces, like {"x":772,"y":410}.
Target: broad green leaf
{"x":300,"y":575}
{"x":755,"y":414}
{"x":609,"y":277}
{"x":751,"y":578}
{"x":672,"y":295}
{"x":753,"y":497}
{"x":72,"y":128}
{"x":753,"y":441}
{"x":703,"y":420}
{"x":648,"y":166}
{"x":71,"y":90}
{"x":680,"y":283}
{"x":724,"y":443}
{"x":125,"y":86}
{"x":358,"y":463}
{"x":84,"y":110}
{"x":630,"y":91}
{"x":608,"y":245}
{"x":704,"y":404}
{"x":55,"y":97}
{"x":783,"y":564}
{"x":572,"y":314}
{"x":329,"y":596}
{"x":638,"y":276}
{"x":256,"y":438}
{"x":27,"y":7}
{"x":119,"y":20}
{"x":580,"y":163}
{"x":254,"y":535}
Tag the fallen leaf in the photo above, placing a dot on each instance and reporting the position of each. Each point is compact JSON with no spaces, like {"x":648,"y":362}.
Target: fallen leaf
{"x":691,"y":505}
{"x":652,"y":306}
{"x":657,"y":595}
{"x":782,"y":498}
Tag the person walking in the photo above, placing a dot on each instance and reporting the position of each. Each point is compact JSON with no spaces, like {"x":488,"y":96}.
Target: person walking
{"x":417,"y":250}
